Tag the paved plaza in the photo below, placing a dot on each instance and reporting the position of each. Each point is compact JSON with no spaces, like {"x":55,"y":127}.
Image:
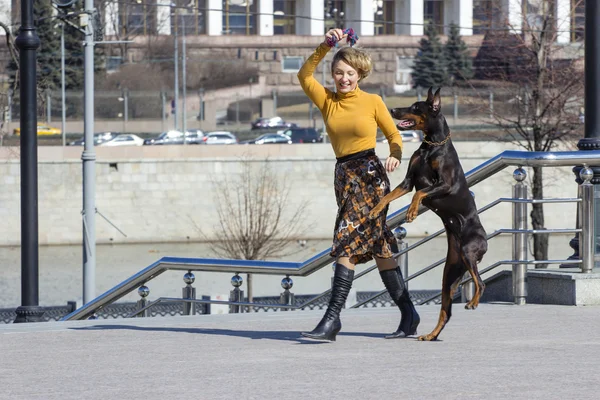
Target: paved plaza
{"x":499,"y":351}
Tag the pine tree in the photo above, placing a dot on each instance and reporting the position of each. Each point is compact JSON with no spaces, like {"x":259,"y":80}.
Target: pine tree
{"x":48,"y":29}
{"x":48,"y":54}
{"x":430,"y":63}
{"x":458,"y":62}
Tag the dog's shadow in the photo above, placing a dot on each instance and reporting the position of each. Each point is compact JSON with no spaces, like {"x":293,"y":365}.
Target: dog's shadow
{"x":289,"y":336}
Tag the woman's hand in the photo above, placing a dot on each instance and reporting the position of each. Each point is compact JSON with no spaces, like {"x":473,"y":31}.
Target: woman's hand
{"x":336,"y":34}
{"x":391,"y":164}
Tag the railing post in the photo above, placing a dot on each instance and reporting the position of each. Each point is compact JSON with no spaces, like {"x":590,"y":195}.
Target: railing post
{"x":400,"y":234}
{"x":236,"y":294}
{"x":189,"y":292}
{"x":586,"y":243}
{"x":143,"y":291}
{"x":519,"y":271}
{"x":287,"y":297}
{"x":468,"y":289}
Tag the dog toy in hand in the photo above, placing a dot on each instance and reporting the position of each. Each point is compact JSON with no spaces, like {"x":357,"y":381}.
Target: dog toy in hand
{"x":350,"y":39}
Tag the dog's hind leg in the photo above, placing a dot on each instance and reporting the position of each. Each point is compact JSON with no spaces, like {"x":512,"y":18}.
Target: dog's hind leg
{"x":471,"y":254}
{"x":453,"y":272}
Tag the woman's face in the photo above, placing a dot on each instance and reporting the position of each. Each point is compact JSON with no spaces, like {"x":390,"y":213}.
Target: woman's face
{"x":345,"y":77}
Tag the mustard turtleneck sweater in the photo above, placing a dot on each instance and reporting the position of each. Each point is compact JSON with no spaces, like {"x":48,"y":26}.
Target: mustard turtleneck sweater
{"x":351,"y":118}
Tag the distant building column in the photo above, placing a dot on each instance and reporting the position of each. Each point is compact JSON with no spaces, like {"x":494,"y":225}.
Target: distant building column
{"x":265,"y":17}
{"x":513,"y":10}
{"x":111,"y":18}
{"x":563,"y":21}
{"x":214,"y":17}
{"x":459,"y":12}
{"x":360,"y":17}
{"x":409,"y":17}
{"x":314,"y":25}
{"x":5,"y":14}
{"x":163,"y":17}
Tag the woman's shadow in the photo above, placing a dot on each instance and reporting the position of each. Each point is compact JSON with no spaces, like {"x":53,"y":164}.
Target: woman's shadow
{"x":291,"y":336}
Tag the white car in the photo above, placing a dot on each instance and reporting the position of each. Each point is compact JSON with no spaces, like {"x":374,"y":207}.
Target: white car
{"x":219,"y":137}
{"x":407,"y":136}
{"x":125,"y":140}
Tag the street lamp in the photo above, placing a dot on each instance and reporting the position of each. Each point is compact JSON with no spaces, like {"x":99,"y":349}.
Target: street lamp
{"x":591,"y":139}
{"x":28,"y":41}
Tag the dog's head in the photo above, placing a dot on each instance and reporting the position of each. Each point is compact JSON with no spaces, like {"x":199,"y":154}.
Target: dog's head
{"x":422,"y":115}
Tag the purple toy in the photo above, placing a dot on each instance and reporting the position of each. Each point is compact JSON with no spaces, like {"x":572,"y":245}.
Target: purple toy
{"x":351,"y":38}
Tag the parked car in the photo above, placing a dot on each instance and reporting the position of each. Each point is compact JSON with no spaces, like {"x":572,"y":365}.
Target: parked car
{"x":269,"y":138}
{"x":42,"y":129}
{"x":304,"y":135}
{"x":407,"y":136}
{"x":271,"y":123}
{"x":125,"y":140}
{"x":219,"y":137}
{"x":99,"y":138}
{"x":194,"y":137}
{"x":176,"y":137}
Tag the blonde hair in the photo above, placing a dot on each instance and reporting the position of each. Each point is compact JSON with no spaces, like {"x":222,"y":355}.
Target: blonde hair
{"x":358,"y":59}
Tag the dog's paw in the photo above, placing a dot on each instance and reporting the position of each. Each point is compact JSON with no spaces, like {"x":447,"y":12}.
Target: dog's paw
{"x":427,"y":338}
{"x":412,"y":214}
{"x":471,"y":306}
{"x":374,"y":213}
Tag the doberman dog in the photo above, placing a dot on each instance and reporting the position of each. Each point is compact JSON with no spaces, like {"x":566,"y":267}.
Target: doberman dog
{"x":438,"y":177}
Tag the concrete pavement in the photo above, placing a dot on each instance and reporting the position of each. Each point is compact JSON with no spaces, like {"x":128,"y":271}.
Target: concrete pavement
{"x":499,"y":351}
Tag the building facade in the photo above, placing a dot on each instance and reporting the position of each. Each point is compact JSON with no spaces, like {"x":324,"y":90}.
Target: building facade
{"x":314,"y":17}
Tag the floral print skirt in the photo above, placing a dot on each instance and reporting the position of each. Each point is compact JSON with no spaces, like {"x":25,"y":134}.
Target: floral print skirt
{"x":360,"y":184}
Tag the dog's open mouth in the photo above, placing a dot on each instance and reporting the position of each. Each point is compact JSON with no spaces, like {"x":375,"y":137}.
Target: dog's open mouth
{"x":405,"y":124}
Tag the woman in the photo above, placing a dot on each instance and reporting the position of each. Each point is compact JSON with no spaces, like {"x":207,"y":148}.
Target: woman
{"x":352,"y":117}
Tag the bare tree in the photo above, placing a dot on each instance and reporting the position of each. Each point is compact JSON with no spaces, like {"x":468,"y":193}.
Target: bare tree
{"x":543,"y":92}
{"x":14,"y":55}
{"x":257,"y":219}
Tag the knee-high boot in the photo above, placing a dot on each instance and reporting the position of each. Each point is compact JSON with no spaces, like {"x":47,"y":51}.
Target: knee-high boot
{"x":330,"y":324}
{"x":392,"y":279}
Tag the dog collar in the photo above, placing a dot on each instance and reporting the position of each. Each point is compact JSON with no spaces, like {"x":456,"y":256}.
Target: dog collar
{"x":437,"y":143}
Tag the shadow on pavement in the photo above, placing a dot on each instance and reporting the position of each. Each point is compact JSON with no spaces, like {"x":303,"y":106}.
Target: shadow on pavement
{"x":293,"y":336}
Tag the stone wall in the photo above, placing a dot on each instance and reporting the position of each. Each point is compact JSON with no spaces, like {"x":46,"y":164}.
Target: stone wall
{"x":166,"y":193}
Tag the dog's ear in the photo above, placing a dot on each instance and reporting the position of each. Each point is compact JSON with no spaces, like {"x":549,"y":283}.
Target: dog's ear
{"x":436,"y":103}
{"x":430,"y":94}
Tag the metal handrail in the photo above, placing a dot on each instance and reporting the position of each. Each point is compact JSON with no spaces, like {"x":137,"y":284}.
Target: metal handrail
{"x":474,"y":176}
{"x":505,"y":262}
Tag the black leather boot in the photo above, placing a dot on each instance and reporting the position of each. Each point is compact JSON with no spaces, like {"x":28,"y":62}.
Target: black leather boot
{"x":330,"y":324}
{"x":392,"y":279}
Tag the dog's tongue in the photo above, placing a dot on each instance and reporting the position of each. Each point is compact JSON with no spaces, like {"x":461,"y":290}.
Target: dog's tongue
{"x":405,"y":123}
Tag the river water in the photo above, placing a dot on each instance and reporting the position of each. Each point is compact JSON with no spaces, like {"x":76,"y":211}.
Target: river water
{"x":60,"y":269}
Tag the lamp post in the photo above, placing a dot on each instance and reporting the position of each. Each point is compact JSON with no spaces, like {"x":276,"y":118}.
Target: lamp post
{"x":201,"y":108}
{"x":28,"y":41}
{"x":591,"y":139}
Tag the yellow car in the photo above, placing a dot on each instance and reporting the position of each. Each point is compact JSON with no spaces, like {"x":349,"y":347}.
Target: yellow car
{"x":42,"y":129}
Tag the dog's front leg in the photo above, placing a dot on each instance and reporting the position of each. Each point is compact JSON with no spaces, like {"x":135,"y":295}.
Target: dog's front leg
{"x":400,"y":191}
{"x":406,"y":186}
{"x":437,"y":190}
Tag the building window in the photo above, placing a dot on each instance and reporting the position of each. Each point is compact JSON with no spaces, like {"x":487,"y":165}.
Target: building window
{"x":239,"y":17}
{"x":189,"y":17}
{"x":113,"y":63}
{"x":137,"y":18}
{"x":483,"y":16}
{"x":335,"y":11}
{"x":284,"y":17}
{"x":433,"y":13}
{"x":384,"y":17}
{"x":291,"y":63}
